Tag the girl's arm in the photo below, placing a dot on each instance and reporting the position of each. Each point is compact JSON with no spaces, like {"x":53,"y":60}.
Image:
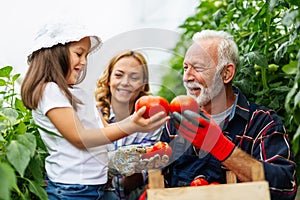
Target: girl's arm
{"x":68,"y":124}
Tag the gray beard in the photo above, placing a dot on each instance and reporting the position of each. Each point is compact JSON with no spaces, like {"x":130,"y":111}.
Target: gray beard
{"x":207,"y":94}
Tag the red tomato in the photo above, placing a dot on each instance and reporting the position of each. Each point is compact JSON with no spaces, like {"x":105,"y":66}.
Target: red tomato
{"x":183,"y":102}
{"x":214,"y":183}
{"x":154,"y":104}
{"x":161,"y":148}
{"x":159,"y":145}
{"x":149,"y":153}
{"x":199,"y":182}
{"x":149,"y":149}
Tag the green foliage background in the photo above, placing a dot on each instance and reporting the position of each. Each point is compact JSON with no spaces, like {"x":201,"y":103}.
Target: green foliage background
{"x":267,"y":34}
{"x":22,"y":151}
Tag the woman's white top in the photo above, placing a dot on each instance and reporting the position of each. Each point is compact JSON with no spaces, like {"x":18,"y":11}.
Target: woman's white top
{"x":66,"y":163}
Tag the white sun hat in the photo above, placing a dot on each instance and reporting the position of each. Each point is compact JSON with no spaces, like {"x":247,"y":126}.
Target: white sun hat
{"x":62,"y":32}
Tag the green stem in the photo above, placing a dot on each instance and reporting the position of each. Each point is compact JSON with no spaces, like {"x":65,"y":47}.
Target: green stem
{"x":265,"y":51}
{"x":264,"y":78}
{"x":13,"y":92}
{"x":279,"y":38}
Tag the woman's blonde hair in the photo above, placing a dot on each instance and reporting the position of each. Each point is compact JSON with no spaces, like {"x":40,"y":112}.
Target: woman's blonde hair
{"x":103,"y":94}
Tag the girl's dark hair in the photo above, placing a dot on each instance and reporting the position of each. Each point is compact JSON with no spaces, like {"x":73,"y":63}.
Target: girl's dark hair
{"x":46,"y":65}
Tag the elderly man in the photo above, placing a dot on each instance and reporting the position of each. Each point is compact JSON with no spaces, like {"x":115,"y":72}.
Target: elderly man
{"x":230,"y":132}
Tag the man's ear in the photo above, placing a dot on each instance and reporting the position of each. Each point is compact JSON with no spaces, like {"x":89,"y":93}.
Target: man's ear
{"x":228,"y":73}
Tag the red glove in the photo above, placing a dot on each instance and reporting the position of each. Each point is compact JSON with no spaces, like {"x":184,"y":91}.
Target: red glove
{"x":204,"y":133}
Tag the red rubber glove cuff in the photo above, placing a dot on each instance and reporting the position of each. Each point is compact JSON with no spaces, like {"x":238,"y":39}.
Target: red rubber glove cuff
{"x":204,"y":133}
{"x":213,"y":141}
{"x":223,"y":148}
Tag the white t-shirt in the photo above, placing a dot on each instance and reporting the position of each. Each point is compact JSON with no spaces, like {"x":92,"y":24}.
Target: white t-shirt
{"x":66,"y":163}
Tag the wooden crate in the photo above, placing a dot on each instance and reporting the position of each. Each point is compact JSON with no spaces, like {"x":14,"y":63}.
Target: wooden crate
{"x":258,"y":189}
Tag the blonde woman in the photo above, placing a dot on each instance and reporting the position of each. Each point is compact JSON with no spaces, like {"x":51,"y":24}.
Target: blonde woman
{"x":125,"y":79}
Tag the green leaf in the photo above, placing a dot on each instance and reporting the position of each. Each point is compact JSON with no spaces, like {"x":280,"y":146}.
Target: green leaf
{"x":280,"y":52}
{"x":289,"y":97}
{"x":36,"y":166}
{"x":2,"y":82}
{"x":15,"y":77}
{"x":29,"y":141}
{"x":258,"y":58}
{"x":296,"y":114}
{"x":274,"y":103}
{"x":19,"y":105}
{"x":218,"y":16}
{"x":272,"y":5}
{"x":18,"y":155}
{"x":9,"y":114}
{"x":289,"y":17}
{"x":35,"y":188}
{"x":297,"y":99}
{"x":25,"y":194}
{"x":295,"y":141}
{"x":21,"y":128}
{"x":291,"y":68}
{"x":1,"y":137}
{"x":5,"y":71}
{"x":2,"y":126}
{"x":8,"y":180}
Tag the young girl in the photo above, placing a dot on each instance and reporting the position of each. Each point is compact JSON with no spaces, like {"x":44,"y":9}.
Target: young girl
{"x":69,"y":123}
{"x":125,"y":79}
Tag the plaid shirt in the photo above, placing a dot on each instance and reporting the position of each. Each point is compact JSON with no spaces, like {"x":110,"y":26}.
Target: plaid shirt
{"x":258,"y":131}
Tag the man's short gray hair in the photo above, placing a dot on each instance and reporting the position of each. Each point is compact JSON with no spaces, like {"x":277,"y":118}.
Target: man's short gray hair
{"x":227,"y":49}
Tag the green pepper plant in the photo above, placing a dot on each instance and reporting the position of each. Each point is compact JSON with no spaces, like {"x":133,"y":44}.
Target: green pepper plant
{"x":22,"y":151}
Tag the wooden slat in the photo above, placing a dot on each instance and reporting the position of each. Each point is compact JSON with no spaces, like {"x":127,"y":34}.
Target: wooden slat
{"x":156,"y":179}
{"x":245,"y":191}
{"x":258,"y":189}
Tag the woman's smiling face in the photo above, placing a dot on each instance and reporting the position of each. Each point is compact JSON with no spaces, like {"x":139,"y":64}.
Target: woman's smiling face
{"x":126,"y":80}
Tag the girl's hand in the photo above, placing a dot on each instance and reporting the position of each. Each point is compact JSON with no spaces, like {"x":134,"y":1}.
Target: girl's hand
{"x":136,"y":123}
